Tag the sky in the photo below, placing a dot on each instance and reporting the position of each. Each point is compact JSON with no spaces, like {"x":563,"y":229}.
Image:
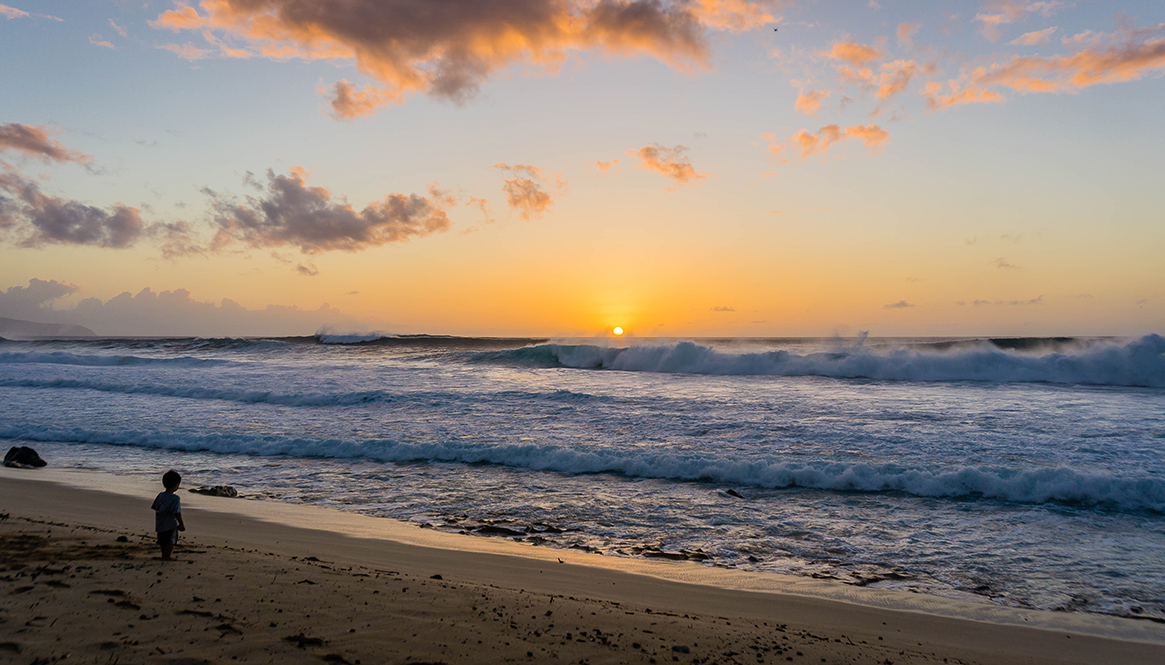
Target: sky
{"x":560,"y":167}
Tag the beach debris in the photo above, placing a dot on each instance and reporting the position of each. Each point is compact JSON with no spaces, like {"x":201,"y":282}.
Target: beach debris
{"x":300,"y":640}
{"x":216,"y":490}
{"x":23,"y":457}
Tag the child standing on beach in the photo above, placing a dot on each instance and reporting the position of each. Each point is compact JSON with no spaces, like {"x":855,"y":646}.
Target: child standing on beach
{"x":168,"y":513}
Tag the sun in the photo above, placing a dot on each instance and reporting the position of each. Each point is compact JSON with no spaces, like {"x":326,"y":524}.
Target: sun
{"x":617,"y":330}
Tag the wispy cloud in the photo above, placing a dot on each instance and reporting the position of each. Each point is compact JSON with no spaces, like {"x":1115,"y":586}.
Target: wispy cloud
{"x":901,"y":304}
{"x":670,"y":162}
{"x":96,"y":40}
{"x":1034,"y":38}
{"x":1002,"y":12}
{"x":873,"y":136}
{"x":34,"y":141}
{"x":526,"y":191}
{"x":11,"y":13}
{"x":188,"y":52}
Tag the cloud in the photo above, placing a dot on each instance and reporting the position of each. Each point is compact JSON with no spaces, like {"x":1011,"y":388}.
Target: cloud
{"x":873,"y":136}
{"x":906,"y":32}
{"x":12,"y":12}
{"x":1116,"y":63}
{"x":670,"y":162}
{"x":958,"y":96}
{"x":1004,"y":264}
{"x":448,"y":49}
{"x":187,"y":51}
{"x":97,"y":41}
{"x":605,"y":167}
{"x":33,"y":301}
{"x":1001,"y":12}
{"x":121,"y":30}
{"x":40,"y":219}
{"x":901,"y":304}
{"x":526,"y":190}
{"x":290,"y":213}
{"x":1034,"y":38}
{"x":720,"y":308}
{"x":854,"y":53}
{"x":1012,"y":303}
{"x":34,"y":141}
{"x":309,"y":270}
{"x":809,"y":102}
{"x":168,"y":313}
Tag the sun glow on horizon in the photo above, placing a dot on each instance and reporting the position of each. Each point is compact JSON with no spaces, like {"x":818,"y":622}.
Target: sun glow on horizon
{"x":617,"y":330}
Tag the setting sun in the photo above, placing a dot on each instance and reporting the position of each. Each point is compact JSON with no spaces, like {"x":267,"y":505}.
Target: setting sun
{"x":617,"y":330}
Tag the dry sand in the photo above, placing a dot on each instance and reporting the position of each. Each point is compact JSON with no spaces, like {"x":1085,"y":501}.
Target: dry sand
{"x":80,"y":582}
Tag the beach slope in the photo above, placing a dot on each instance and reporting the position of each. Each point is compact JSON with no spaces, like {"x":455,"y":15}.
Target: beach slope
{"x":260,"y":583}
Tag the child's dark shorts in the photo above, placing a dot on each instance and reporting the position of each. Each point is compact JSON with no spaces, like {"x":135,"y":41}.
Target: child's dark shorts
{"x":167,"y":537}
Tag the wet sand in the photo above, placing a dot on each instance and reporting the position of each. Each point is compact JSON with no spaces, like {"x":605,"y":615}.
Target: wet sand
{"x":260,"y":582}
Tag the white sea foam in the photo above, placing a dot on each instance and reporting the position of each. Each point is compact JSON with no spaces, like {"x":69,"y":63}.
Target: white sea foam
{"x":1138,"y":362}
{"x":1036,"y":486}
{"x":350,"y":338}
{"x":305,"y":399}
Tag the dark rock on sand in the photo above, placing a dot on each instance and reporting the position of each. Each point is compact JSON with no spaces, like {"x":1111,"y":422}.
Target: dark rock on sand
{"x":733,"y":493}
{"x":491,"y":530}
{"x":23,"y":458}
{"x":217,"y":490}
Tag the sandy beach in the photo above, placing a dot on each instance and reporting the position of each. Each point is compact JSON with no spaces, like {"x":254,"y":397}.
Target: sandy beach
{"x":259,"y":581}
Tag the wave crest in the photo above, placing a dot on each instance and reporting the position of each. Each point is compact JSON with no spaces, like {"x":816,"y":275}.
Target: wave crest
{"x":1057,"y":485}
{"x":1138,"y":362}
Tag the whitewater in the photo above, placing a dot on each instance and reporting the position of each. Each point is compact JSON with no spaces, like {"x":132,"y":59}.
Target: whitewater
{"x":1025,"y":472}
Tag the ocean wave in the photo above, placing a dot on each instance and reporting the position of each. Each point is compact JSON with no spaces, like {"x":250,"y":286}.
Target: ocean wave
{"x":306,"y":399}
{"x":1138,"y":362}
{"x":66,"y":358}
{"x":1057,"y":485}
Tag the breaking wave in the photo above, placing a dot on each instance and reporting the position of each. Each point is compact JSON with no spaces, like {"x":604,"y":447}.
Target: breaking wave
{"x":1034,"y":486}
{"x":65,"y":358}
{"x":1138,"y":362}
{"x":304,"y":399}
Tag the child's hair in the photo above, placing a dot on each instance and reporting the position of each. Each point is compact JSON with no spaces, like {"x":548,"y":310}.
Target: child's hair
{"x":171,"y":479}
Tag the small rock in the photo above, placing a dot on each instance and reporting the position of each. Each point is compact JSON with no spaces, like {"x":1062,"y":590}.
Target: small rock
{"x":217,"y":490}
{"x":680,"y":648}
{"x":23,"y":458}
{"x":733,"y":493}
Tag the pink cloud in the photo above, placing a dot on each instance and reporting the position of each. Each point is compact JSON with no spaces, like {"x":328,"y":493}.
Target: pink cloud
{"x":526,"y":191}
{"x":447,"y":49}
{"x":809,"y":102}
{"x":1034,"y":38}
{"x":854,"y":53}
{"x":34,"y":141}
{"x":670,"y":162}
{"x":873,"y":136}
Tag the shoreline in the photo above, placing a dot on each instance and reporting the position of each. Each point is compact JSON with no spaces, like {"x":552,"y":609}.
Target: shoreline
{"x":261,"y":530}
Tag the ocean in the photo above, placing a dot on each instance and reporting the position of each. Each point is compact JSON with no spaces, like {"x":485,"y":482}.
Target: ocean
{"x":1023,"y":472}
